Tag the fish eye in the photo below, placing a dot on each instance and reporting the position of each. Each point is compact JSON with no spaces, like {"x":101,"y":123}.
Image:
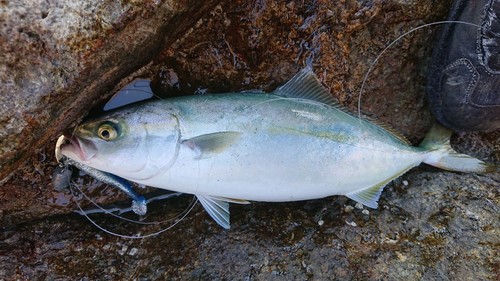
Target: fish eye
{"x":107,"y":131}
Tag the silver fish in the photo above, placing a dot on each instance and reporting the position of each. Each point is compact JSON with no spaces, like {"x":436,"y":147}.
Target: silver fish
{"x":293,"y":144}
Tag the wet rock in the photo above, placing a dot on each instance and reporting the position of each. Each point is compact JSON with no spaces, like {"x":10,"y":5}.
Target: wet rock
{"x":430,"y":224}
{"x":57,"y":59}
{"x":423,"y":232}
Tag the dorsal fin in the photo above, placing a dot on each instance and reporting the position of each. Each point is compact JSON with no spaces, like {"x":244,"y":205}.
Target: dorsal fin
{"x":305,"y":85}
{"x":388,"y":128}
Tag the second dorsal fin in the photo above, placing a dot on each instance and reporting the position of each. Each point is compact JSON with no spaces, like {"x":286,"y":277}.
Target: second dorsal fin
{"x":305,"y":85}
{"x":388,"y":128}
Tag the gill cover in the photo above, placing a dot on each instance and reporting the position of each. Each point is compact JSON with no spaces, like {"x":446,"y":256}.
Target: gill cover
{"x":158,"y":136}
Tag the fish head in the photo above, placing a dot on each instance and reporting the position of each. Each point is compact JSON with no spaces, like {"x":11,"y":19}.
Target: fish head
{"x":135,"y":143}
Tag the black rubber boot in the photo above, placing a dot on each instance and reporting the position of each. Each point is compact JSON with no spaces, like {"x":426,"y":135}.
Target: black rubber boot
{"x":463,"y":85}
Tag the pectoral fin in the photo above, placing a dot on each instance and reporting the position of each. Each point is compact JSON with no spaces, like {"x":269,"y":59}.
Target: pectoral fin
{"x":217,"y":209}
{"x":206,"y":145}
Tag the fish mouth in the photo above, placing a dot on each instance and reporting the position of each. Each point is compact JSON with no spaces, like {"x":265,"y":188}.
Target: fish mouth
{"x":69,"y":145}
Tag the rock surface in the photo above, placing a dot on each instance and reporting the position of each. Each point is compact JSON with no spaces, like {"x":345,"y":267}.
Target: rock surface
{"x":431,"y":224}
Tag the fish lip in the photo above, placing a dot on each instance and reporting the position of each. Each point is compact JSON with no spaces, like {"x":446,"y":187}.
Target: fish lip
{"x":84,"y":149}
{"x":61,"y":141}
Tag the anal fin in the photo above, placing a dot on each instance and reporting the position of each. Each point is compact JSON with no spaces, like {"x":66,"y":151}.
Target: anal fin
{"x":368,"y":197}
{"x":217,"y":209}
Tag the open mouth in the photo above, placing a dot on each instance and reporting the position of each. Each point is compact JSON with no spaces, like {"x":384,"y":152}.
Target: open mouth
{"x":80,"y":147}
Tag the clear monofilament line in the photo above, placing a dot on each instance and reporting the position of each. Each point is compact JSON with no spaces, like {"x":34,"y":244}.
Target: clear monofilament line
{"x":136,"y":236}
{"x":372,"y":65}
{"x":108,"y":212}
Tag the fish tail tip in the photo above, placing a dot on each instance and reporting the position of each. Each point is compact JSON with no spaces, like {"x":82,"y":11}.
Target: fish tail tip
{"x":442,"y":155}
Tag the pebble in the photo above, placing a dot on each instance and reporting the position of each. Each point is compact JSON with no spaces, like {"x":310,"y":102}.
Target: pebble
{"x":359,"y":206}
{"x":405,"y":183}
{"x":123,"y":250}
{"x":351,"y":223}
{"x":365,"y":212}
{"x":348,"y":208}
{"x":400,"y":256}
{"x":133,"y":251}
{"x":391,"y":241}
{"x":471,"y":215}
{"x":321,"y":222}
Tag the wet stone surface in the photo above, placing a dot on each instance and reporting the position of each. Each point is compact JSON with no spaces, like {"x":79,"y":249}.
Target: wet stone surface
{"x":438,"y":226}
{"x":430,"y":225}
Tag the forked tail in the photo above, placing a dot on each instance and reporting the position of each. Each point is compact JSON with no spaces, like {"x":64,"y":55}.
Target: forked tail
{"x":443,"y":156}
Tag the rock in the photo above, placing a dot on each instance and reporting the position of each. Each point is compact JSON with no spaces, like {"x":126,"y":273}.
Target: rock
{"x":437,"y":227}
{"x":58,"y":59}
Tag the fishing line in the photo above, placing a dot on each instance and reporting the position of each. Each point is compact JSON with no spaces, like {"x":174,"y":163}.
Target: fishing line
{"x":130,"y":209}
{"x":75,"y":194}
{"x":395,"y":41}
{"x":73,"y":133}
{"x":106,"y":211}
{"x":184,"y":215}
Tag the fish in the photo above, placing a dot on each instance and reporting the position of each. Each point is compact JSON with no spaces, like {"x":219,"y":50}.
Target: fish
{"x":295,"y":143}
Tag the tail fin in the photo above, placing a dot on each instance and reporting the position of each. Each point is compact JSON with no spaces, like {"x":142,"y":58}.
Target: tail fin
{"x":442,"y":155}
